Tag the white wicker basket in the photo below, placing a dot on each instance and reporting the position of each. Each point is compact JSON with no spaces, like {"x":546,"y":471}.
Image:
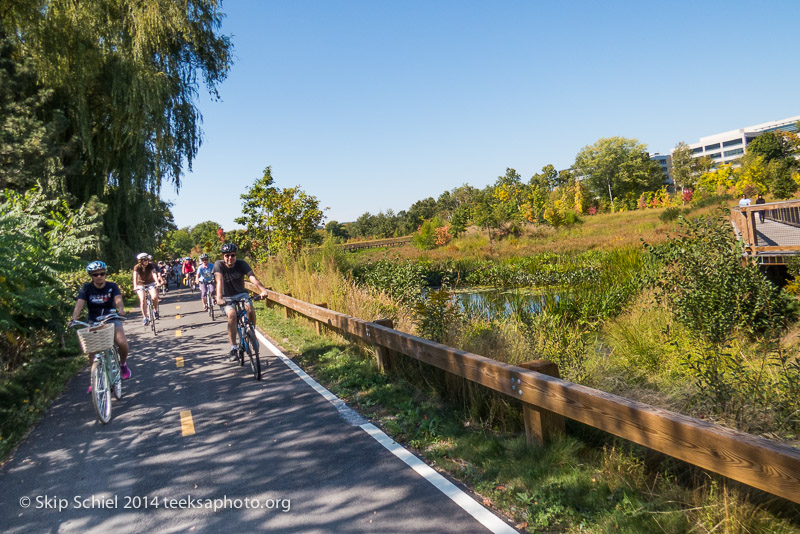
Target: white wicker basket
{"x":96,"y":339}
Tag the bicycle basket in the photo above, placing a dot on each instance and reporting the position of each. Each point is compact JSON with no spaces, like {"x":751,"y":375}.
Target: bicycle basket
{"x":96,"y":339}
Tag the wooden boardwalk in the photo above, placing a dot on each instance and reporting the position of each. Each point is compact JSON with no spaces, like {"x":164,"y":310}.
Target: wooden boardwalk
{"x":770,"y":232}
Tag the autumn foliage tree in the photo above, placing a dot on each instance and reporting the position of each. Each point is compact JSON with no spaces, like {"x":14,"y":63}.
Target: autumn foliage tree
{"x":278,"y":219}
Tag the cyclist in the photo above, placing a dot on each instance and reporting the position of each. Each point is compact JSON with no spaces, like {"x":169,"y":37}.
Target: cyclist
{"x":205,"y":278}
{"x":101,"y":297}
{"x":146,"y":278}
{"x":162,"y":270}
{"x":188,"y":270}
{"x":230,"y":273}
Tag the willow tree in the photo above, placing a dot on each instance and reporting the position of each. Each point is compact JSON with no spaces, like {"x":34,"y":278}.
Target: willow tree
{"x":126,"y":75}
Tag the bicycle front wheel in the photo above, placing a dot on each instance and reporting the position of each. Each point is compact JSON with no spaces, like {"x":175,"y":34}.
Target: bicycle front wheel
{"x":151,"y":313}
{"x":101,"y":396}
{"x":115,"y":372}
{"x":251,"y":345}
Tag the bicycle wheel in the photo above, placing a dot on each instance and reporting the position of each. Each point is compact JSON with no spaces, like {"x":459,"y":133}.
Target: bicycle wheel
{"x":101,"y":398}
{"x":251,"y":345}
{"x":151,"y":313}
{"x":115,"y":372}
{"x":210,"y":304}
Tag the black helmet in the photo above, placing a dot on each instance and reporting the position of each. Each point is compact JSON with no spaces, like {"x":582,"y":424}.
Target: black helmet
{"x":203,"y":256}
{"x":227,"y":248}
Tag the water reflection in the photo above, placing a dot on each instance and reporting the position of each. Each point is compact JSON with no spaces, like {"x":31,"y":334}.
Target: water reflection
{"x":498,"y":303}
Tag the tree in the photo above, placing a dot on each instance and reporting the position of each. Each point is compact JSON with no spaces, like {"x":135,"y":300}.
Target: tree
{"x":125,"y":76}
{"x":278,"y":219}
{"x":685,"y":169}
{"x":205,"y":236}
{"x":616,"y":167}
{"x":336,"y":229}
{"x":176,"y":244}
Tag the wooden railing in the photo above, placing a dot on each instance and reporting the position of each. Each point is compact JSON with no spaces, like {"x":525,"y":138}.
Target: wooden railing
{"x":787,"y":213}
{"x":391,"y":242}
{"x":757,"y":462}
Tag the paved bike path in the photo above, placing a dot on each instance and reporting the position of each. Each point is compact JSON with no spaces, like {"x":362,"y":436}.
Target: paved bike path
{"x":196,"y":444}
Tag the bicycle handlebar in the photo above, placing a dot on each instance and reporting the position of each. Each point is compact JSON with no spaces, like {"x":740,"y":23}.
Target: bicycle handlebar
{"x":101,"y":320}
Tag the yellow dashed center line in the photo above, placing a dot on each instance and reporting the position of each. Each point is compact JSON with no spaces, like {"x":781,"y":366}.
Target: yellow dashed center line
{"x":179,"y":361}
{"x":178,"y":333}
{"x":187,"y":425}
{"x":178,"y":316}
{"x":177,"y":307}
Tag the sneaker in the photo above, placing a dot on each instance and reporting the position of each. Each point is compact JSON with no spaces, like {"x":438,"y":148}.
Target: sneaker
{"x":234,"y":354}
{"x":126,"y":372}
{"x":158,"y":317}
{"x":89,"y":390}
{"x":145,"y":321}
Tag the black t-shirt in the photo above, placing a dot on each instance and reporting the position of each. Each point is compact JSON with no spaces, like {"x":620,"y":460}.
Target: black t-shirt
{"x":232,"y":279}
{"x":99,"y":301}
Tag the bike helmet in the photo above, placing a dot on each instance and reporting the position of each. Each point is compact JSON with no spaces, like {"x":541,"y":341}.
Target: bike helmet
{"x":149,"y":257}
{"x":95,"y":265}
{"x":227,"y":248}
{"x":141,"y":256}
{"x":203,"y":257}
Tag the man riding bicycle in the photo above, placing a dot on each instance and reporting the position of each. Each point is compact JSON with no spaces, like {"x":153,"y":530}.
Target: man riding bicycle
{"x":230,"y":274}
{"x":101,"y":298}
{"x":146,"y":278}
{"x":205,"y":277}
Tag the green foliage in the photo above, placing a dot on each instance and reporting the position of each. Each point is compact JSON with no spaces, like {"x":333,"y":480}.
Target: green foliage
{"x":44,"y":238}
{"x":671,"y":214}
{"x":615,"y":167}
{"x":402,"y":281}
{"x":425,"y":237}
{"x":116,"y":115}
{"x":713,"y":291}
{"x":436,"y":315}
{"x":276,"y":219}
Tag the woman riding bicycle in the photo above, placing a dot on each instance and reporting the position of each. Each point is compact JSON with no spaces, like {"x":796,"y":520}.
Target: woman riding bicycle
{"x":101,"y":298}
{"x":146,"y":278}
{"x":230,"y":274}
{"x":205,"y":277}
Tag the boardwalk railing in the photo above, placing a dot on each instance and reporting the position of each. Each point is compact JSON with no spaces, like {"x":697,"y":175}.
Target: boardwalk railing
{"x":769,"y":229}
{"x":757,"y":462}
{"x":392,"y":242}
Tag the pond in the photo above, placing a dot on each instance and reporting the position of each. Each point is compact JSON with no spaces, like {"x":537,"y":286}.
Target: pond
{"x":495,"y":303}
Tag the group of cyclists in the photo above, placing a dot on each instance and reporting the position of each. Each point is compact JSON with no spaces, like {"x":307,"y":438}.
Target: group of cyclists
{"x":225,"y":279}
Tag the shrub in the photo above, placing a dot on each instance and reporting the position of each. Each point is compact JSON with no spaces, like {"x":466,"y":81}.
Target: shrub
{"x":713,"y":292}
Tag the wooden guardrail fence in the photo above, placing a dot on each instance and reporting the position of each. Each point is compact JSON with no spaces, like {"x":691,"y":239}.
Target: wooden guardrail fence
{"x":757,"y":462}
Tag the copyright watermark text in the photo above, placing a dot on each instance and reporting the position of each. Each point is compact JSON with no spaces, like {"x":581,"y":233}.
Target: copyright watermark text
{"x":141,"y":502}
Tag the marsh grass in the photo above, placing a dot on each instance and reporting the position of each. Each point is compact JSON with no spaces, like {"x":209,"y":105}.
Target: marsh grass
{"x":585,"y":482}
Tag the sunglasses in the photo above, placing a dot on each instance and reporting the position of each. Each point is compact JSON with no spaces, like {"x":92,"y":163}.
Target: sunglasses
{"x":229,"y":255}
{"x":98,"y":274}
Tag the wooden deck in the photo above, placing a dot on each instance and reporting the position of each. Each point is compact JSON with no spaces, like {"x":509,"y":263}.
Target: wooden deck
{"x":770,"y":232}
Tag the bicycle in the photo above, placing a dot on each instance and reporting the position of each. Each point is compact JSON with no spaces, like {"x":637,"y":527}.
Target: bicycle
{"x":189,"y":281}
{"x":150,"y":309}
{"x":209,"y":300}
{"x":246,"y":335}
{"x":97,"y":339}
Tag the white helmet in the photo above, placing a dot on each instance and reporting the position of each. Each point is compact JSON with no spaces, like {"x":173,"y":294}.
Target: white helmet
{"x":141,"y":256}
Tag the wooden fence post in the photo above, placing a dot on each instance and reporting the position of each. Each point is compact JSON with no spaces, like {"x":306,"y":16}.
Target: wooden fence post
{"x":541,"y":426}
{"x":318,"y":324}
{"x":384,"y":355}
{"x":286,"y":311}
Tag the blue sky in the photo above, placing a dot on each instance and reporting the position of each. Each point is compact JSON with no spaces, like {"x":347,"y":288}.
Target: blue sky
{"x":373,"y":105}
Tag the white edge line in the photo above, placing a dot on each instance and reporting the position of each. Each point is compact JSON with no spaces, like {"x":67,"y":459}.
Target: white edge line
{"x":467,"y":503}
